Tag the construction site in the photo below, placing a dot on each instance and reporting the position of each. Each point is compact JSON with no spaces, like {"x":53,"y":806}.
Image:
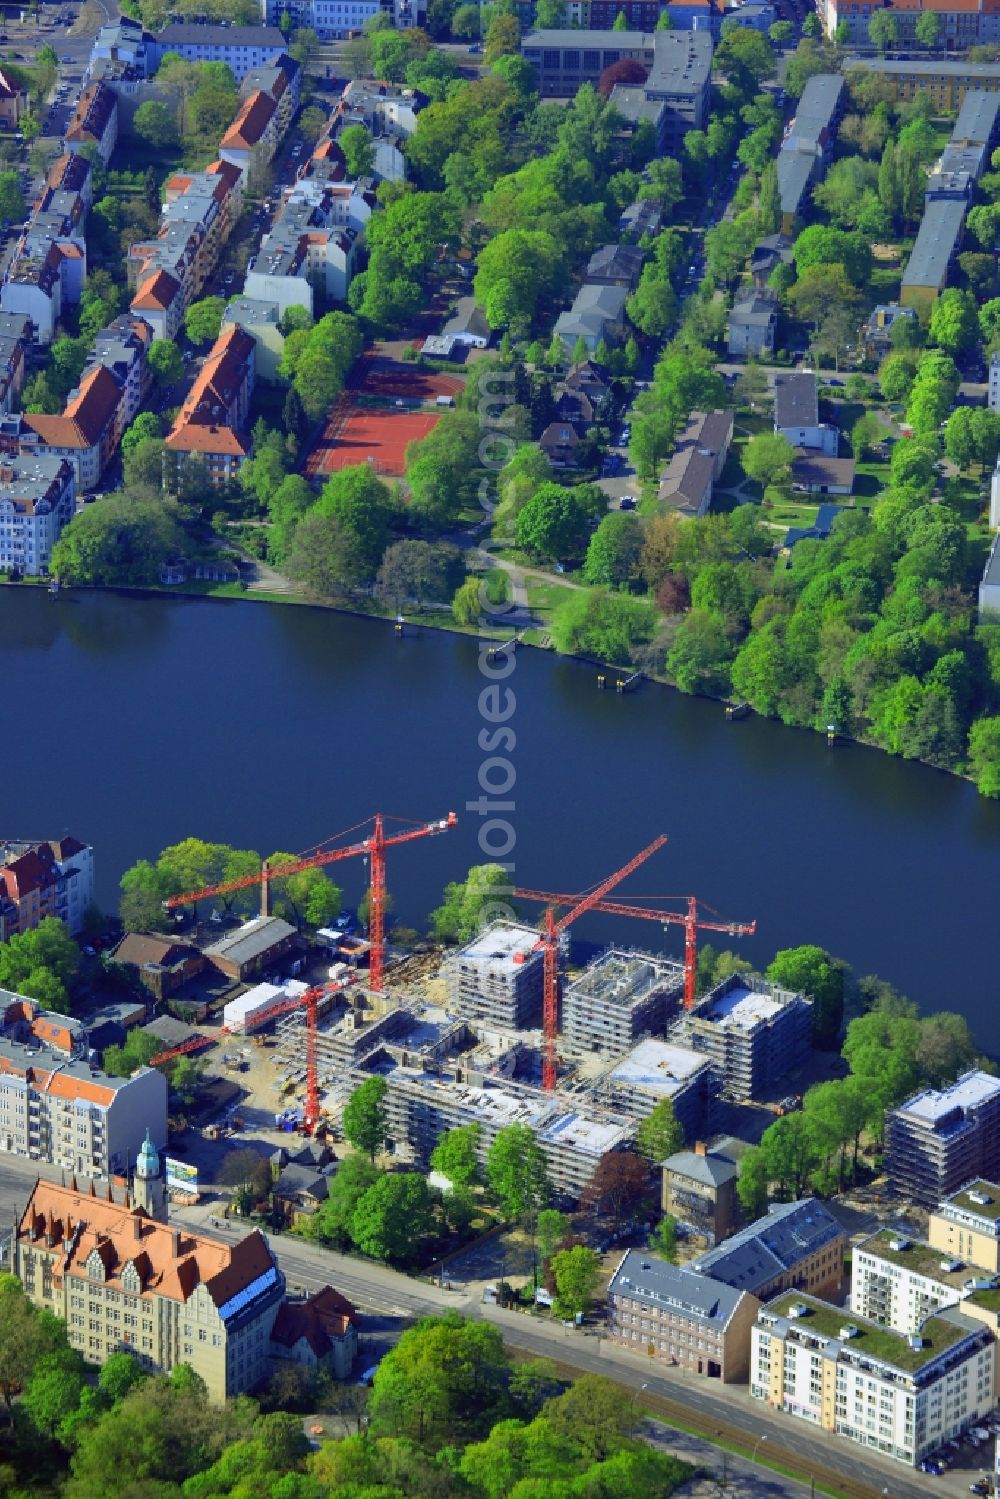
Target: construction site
{"x":489,"y":1034}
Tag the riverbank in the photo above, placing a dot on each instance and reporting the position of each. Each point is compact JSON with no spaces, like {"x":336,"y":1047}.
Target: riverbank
{"x":207,"y":591}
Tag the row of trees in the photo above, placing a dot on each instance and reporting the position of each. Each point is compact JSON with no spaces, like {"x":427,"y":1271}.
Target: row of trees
{"x":890,"y":1051}
{"x":308,"y":898}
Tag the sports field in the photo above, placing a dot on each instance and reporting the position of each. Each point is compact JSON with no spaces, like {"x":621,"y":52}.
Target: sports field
{"x":366,"y":434}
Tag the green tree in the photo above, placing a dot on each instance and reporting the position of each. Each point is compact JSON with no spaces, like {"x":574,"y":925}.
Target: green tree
{"x":441,"y":470}
{"x":700,"y":658}
{"x":154,"y":123}
{"x":165,"y":362}
{"x":136,"y":1051}
{"x":663,"y":1239}
{"x":615,"y":550}
{"x":359,"y":150}
{"x":883,"y":29}
{"x":768,"y":458}
{"x":395,"y":1213}
{"x":552,"y":523}
{"x":946,"y":1048}
{"x":365,"y":1119}
{"x":309,"y":898}
{"x":577,"y":1273}
{"x":121,"y":539}
{"x":503,"y":38}
{"x":53,"y":1391}
{"x":483,"y":896}
{"x":330,"y":1224}
{"x":954,"y":324}
{"x":928,"y":28}
{"x":516,"y":271}
{"x":443,"y":1383}
{"x":896,"y":375}
{"x":12,"y":205}
{"x":552,"y":1228}
{"x":203,"y":320}
{"x":26,"y":1337}
{"x":517,"y":1173}
{"x":660,"y":1134}
{"x":984,"y":755}
{"x":456,"y":1155}
{"x":812,"y":971}
{"x":604,"y":626}
{"x":751,"y":1183}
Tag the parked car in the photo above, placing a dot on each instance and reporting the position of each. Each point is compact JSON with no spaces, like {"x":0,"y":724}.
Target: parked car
{"x":628,"y":502}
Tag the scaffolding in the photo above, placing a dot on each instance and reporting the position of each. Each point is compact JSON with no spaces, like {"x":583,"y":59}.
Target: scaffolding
{"x":486,"y":982}
{"x":619,"y":997}
{"x":754,"y":1032}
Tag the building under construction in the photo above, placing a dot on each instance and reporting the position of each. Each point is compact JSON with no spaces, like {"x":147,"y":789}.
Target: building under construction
{"x":655,"y":1070}
{"x":754,"y":1033}
{"x":619,"y":998}
{"x":424,"y":1099}
{"x":487,"y":983}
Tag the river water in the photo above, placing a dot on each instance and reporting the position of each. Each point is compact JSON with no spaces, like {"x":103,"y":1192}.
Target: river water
{"x":134,"y":722}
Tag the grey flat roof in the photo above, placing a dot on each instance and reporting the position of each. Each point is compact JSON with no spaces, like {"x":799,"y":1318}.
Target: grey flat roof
{"x":975,"y":71}
{"x":935,"y":244}
{"x":821,"y":95}
{"x":795,"y":169}
{"x":796,"y":400}
{"x":642,"y":1276}
{"x":564,"y":36}
{"x":185,"y":34}
{"x":785,"y":1235}
{"x":977,"y":118}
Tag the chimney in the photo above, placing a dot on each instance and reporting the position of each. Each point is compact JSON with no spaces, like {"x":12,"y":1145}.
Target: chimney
{"x":135,"y":1220}
{"x":700,"y":1148}
{"x":175,"y":1243}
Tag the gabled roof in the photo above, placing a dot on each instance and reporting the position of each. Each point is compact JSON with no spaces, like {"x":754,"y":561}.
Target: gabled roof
{"x":326,"y":1316}
{"x":678,"y":1288}
{"x":787,"y":1234}
{"x":156,"y":293}
{"x":9,"y":87}
{"x":86,"y":418}
{"x":139,"y":948}
{"x":171,"y":1262}
{"x":710,"y":1168}
{"x":250,"y":123}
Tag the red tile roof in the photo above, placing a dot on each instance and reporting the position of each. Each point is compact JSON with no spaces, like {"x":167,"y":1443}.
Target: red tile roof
{"x":30,"y":871}
{"x":9,"y":87}
{"x":171,"y":1262}
{"x":320,"y":1320}
{"x":250,"y":123}
{"x":157,"y":293}
{"x":86,"y":418}
{"x":205,"y":421}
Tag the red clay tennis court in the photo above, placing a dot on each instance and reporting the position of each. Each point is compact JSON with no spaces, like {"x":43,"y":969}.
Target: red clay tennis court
{"x":380,"y":375}
{"x":376,"y":435}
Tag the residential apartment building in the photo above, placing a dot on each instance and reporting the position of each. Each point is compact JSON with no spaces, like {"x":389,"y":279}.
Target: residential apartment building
{"x":13,"y":100}
{"x":88,"y":431}
{"x":261,"y":320}
{"x":676,"y":1316}
{"x":313,"y":247}
{"x":989,"y":586}
{"x":620,"y":997}
{"x":15,"y":337}
{"x":753,"y":323}
{"x":755,"y":1032}
{"x":901,"y":1395}
{"x":37,"y":499}
{"x":213,"y":422}
{"x":54,"y":878}
{"x":124,"y":41}
{"x":94,"y":121}
{"x":425,"y":1097}
{"x":688,"y":482}
{"x":945,"y":82}
{"x":961,"y":25}
{"x":876,"y":333}
{"x":123,"y":1281}
{"x":56,"y":1107}
{"x":32,"y":288}
{"x":281,"y":78}
{"x":966,"y":1226}
{"x":486,"y":982}
{"x":199,"y":214}
{"x":938,"y":241}
{"x":939,"y":1140}
{"x":808,"y":140}
{"x":330,"y":19}
{"x":241,"y":48}
{"x":655,"y":1070}
{"x":49,"y":264}
{"x":596,"y":316}
{"x":677,"y":85}
{"x":384,"y":109}
{"x":900,"y":1282}
{"x":698,"y":1188}
{"x":252,"y":138}
{"x":796,"y":414}
{"x":123,"y":348}
{"x":795,"y":1246}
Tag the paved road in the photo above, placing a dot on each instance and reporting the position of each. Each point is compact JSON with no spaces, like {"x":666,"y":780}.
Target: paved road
{"x":389,"y":1300}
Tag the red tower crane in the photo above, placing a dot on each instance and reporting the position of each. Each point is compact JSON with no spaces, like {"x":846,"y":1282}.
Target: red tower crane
{"x":690,"y":920}
{"x":548,"y":943}
{"x":372,"y":846}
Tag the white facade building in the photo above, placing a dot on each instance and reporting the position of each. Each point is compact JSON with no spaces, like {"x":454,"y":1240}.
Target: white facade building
{"x":900,"y":1282}
{"x":37,"y":499}
{"x":899,"y":1395}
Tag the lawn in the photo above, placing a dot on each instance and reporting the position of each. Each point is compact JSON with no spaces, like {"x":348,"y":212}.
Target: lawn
{"x":543,"y":597}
